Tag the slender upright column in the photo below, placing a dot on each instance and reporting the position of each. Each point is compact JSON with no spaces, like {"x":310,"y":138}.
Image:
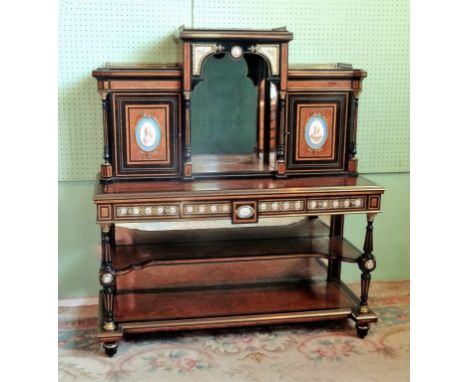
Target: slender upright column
{"x":107,"y":277}
{"x":336,"y":229}
{"x":352,"y":151}
{"x":187,"y":161}
{"x":281,"y":148}
{"x":106,"y":167}
{"x":367,"y":264}
{"x":188,"y":141}
{"x":352,"y":160}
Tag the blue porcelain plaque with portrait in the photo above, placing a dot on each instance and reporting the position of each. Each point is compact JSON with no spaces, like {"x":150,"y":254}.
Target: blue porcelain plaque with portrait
{"x":316,"y":132}
{"x":148,"y":134}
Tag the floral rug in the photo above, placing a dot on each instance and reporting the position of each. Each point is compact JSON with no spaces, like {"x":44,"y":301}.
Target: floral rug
{"x":316,"y":352}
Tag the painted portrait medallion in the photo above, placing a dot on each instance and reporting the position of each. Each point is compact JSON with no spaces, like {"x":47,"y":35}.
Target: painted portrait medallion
{"x":148,"y":133}
{"x":316,"y":132}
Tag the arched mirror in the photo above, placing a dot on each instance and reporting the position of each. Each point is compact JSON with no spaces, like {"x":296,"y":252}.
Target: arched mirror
{"x":233,"y":116}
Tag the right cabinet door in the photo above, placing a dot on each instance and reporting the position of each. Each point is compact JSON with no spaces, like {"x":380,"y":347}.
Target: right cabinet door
{"x":317,"y":133}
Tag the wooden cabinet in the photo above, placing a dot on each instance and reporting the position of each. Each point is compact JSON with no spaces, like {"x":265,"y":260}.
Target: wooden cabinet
{"x":299,"y":166}
{"x":142,"y":126}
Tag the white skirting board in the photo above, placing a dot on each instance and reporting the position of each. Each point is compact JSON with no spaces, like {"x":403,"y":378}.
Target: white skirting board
{"x":69,"y":302}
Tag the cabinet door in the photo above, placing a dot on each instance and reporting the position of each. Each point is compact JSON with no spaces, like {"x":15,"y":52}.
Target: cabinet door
{"x":146,"y":135}
{"x":317,"y":127}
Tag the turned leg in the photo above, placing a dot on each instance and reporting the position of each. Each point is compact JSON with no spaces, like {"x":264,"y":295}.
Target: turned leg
{"x":110,"y":348}
{"x":336,"y":229}
{"x":107,"y":278}
{"x":367,"y":264}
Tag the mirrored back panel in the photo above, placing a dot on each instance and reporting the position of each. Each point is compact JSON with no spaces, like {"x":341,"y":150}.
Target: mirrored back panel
{"x":232,"y":117}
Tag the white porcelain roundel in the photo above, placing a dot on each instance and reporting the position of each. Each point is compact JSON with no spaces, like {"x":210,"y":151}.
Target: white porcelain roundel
{"x":236,"y":52}
{"x":245,"y":212}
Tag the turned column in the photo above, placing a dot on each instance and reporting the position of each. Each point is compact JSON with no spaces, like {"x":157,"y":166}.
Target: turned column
{"x":187,"y":92}
{"x":106,"y":167}
{"x":107,"y":278}
{"x":352,"y":160}
{"x":336,"y":229}
{"x":188,"y":139}
{"x":280,"y":149}
{"x":367,"y":264}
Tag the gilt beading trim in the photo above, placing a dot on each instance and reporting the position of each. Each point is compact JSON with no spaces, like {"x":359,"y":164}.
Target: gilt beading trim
{"x":152,"y":210}
{"x":206,"y":209}
{"x":281,"y":206}
{"x":332,"y":204}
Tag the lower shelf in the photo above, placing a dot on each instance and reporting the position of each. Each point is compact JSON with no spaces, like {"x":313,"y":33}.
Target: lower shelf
{"x":241,"y":305}
{"x":220,"y":302}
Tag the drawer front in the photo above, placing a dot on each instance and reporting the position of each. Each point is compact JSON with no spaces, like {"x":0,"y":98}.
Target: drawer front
{"x":146,"y":135}
{"x":317,"y":132}
{"x":239,"y":211}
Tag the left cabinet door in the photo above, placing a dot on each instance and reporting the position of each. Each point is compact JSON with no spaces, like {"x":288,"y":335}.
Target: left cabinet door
{"x":146,"y":135}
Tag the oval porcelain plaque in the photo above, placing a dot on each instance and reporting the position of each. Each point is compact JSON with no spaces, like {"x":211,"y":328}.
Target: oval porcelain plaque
{"x":245,"y":212}
{"x":148,"y":134}
{"x":316,"y":132}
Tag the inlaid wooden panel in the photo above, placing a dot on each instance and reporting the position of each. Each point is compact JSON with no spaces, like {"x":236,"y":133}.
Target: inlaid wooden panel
{"x":139,"y":133}
{"x":146,"y":134}
{"x":318,"y":132}
{"x":323,"y":137}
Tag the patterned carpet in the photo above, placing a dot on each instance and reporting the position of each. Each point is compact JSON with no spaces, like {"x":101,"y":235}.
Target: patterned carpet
{"x":317,"y":352}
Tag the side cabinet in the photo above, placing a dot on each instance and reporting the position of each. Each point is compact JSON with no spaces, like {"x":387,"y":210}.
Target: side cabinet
{"x":146,"y":134}
{"x":141,"y":112}
{"x":318,"y":132}
{"x":322,"y":109}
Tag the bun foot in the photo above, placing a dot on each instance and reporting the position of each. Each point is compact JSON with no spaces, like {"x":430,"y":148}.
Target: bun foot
{"x":110,"y":348}
{"x":362,"y":330}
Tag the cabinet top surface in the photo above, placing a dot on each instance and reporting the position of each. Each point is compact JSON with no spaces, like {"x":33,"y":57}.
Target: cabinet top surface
{"x":258,"y":186}
{"x":144,"y":70}
{"x":275,"y":34}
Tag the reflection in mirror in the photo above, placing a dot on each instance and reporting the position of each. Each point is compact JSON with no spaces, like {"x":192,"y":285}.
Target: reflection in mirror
{"x":230,"y":120}
{"x":272,"y":119}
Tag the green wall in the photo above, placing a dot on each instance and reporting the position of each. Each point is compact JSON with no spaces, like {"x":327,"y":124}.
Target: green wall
{"x":373,"y":35}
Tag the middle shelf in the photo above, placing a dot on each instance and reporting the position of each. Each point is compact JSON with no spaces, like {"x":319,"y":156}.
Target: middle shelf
{"x":210,"y":257}
{"x":308,"y":238}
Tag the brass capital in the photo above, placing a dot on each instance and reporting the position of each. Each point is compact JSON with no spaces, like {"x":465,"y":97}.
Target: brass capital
{"x":105,"y":228}
{"x":109,"y":326}
{"x":371,"y":216}
{"x":363,"y":309}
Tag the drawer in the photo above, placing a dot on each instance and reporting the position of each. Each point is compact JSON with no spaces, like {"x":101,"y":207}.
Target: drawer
{"x":239,"y":211}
